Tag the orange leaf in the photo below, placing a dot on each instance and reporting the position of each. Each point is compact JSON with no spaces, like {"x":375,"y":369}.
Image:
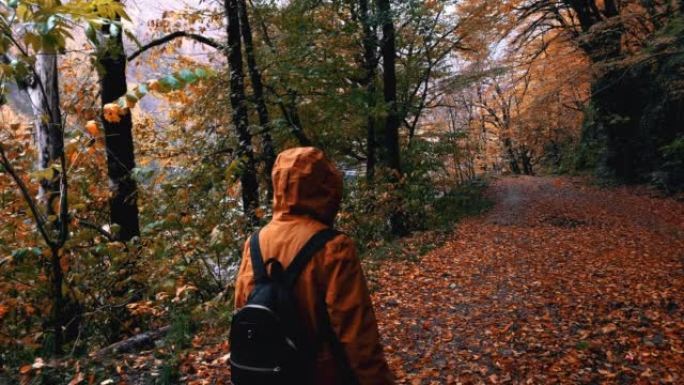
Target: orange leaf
{"x":77,"y":379}
{"x":112,"y":113}
{"x":64,"y":263}
{"x":92,"y":128}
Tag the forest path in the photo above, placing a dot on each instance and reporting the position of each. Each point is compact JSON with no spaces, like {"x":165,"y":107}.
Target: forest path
{"x":560,"y":282}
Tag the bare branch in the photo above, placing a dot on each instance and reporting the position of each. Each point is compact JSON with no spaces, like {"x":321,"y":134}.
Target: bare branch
{"x":175,"y":35}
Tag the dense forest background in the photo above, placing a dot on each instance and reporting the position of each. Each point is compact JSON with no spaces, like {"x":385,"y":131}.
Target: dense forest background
{"x":137,"y":138}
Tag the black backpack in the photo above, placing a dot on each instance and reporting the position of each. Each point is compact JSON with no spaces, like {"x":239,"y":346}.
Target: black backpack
{"x":268,"y":341}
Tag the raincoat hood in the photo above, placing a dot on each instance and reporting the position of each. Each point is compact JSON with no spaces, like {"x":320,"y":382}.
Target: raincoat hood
{"x":305,"y":182}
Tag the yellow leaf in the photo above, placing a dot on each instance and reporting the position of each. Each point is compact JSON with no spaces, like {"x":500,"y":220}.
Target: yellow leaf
{"x":47,"y":174}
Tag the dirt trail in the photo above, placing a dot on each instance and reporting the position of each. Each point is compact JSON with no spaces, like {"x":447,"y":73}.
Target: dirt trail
{"x":559,"y":283}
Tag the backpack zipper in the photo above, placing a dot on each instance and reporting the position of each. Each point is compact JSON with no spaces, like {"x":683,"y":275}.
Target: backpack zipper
{"x":260,"y":307}
{"x":276,"y":369}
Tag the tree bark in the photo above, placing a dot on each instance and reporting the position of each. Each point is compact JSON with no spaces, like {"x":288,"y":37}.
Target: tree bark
{"x":390,"y":154}
{"x":43,"y":90}
{"x":245,"y":154}
{"x":370,"y":63}
{"x":123,"y":205}
{"x":512,"y":159}
{"x":388,"y":49}
{"x":258,"y":89}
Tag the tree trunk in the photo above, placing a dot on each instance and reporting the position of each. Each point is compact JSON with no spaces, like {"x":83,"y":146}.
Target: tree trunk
{"x":512,"y":159}
{"x":43,"y":90}
{"x":258,"y":89}
{"x":390,"y":152}
{"x":123,"y":205}
{"x":526,"y":161}
{"x":248,"y":180}
{"x":391,"y":130}
{"x":370,"y":63}
{"x":57,"y":319}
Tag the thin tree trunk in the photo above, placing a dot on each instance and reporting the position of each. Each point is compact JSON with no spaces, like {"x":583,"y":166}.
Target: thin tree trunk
{"x":370,"y":63}
{"x":43,"y":91}
{"x":123,"y":205}
{"x":390,"y":152}
{"x":248,"y":179}
{"x":258,"y":88}
{"x":526,"y":161}
{"x":388,"y":49}
{"x":56,"y":322}
{"x":512,"y":159}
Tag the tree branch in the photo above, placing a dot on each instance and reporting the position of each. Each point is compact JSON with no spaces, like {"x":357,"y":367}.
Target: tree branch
{"x":27,"y":196}
{"x":131,"y":344}
{"x":99,"y":229}
{"x":175,"y":35}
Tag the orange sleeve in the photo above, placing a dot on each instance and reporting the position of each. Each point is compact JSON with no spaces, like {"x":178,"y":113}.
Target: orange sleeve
{"x":244,"y":279}
{"x":351,"y":314}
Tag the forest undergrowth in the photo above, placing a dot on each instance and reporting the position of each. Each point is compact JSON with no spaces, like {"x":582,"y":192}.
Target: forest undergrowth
{"x":560,"y":282}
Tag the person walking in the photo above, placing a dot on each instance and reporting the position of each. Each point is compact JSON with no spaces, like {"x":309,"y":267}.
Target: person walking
{"x":301,"y":282}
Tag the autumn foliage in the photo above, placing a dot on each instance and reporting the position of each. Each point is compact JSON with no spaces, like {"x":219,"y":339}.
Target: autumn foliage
{"x":137,"y":140}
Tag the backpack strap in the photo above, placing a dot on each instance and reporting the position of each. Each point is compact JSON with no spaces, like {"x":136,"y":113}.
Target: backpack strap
{"x":306,"y":253}
{"x":258,"y":266}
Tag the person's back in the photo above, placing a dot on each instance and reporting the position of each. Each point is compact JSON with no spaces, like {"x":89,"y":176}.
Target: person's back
{"x":307,"y":194}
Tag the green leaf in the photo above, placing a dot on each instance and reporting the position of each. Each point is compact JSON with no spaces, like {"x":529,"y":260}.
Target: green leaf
{"x":4,"y":44}
{"x":201,"y":73}
{"x":19,"y":254}
{"x":91,"y":34}
{"x":170,"y":82}
{"x":582,"y":345}
{"x":142,"y":90}
{"x":6,"y":70}
{"x":33,"y":41}
{"x":53,"y":43}
{"x":131,"y":36}
{"x":131,"y":99}
{"x":188,"y":76}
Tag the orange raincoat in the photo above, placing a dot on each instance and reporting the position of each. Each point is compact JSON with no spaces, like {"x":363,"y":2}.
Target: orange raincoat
{"x":307,"y":194}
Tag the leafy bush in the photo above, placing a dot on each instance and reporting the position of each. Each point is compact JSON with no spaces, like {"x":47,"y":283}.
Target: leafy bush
{"x":422,"y":203}
{"x":670,"y":176}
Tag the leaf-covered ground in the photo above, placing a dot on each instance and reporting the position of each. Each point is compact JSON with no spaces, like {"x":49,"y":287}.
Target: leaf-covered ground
{"x":560,"y":282}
